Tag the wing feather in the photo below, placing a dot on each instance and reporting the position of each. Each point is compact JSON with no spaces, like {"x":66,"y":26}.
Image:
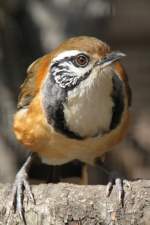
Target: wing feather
{"x":27,"y":91}
{"x":35,"y":75}
{"x":121,"y":71}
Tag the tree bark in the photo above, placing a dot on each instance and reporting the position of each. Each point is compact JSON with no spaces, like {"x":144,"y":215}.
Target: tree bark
{"x":69,"y":204}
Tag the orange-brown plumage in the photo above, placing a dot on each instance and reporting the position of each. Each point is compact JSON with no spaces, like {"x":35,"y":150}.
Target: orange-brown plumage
{"x":74,"y":104}
{"x":34,"y":132}
{"x":32,"y":128}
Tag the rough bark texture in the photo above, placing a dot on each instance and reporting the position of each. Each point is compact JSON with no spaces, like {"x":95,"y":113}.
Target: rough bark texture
{"x":68,"y":204}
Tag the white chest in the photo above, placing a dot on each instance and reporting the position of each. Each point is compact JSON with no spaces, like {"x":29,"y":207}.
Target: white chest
{"x":88,"y":110}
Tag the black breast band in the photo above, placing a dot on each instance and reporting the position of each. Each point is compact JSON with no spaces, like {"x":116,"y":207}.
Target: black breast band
{"x":53,"y":100}
{"x":55,"y":97}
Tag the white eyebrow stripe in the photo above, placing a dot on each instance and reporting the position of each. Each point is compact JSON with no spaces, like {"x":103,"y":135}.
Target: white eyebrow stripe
{"x":66,"y":54}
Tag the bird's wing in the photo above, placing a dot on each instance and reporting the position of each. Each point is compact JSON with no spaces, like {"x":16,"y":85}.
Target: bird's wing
{"x":27,"y":89}
{"x":129,"y":92}
{"x":35,"y":74}
{"x":122,"y":73}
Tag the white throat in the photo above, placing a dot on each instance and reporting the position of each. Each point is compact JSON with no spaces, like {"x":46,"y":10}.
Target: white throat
{"x":88,"y":110}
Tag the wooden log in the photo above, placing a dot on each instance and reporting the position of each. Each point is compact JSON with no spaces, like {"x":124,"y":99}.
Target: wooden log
{"x":69,"y":204}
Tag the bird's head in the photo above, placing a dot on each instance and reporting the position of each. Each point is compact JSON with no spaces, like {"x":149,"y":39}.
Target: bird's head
{"x":78,"y":58}
{"x":79,"y":85}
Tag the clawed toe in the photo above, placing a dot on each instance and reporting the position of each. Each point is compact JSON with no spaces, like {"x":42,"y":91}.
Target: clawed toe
{"x":115,"y":179}
{"x":29,"y":191}
{"x":20,"y":186}
{"x":16,"y":203}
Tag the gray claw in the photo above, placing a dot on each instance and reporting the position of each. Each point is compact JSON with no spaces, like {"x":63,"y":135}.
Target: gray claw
{"x":115,"y":179}
{"x":119,"y":185}
{"x":21,"y":184}
{"x":29,"y":191}
{"x":109,"y":188}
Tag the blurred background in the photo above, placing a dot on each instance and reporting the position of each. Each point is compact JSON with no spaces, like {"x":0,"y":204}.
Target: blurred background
{"x":31,"y":28}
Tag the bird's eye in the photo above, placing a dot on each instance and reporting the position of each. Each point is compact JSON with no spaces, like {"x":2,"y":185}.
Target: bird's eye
{"x":81,"y":60}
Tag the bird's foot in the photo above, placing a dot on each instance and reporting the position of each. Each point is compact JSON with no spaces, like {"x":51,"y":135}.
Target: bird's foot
{"x":20,"y":186}
{"x":114,"y":178}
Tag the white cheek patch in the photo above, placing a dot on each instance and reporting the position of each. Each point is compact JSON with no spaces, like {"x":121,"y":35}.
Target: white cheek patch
{"x":78,"y":71}
{"x":65,"y":73}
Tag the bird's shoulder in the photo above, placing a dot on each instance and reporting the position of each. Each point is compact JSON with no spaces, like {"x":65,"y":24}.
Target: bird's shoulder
{"x":123,"y":75}
{"x":34,"y":76}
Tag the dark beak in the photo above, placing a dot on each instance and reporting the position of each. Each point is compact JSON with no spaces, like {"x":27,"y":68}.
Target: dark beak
{"x":110,"y":58}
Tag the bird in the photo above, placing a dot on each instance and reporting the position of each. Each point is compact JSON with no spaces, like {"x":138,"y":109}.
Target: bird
{"x":74,"y":104}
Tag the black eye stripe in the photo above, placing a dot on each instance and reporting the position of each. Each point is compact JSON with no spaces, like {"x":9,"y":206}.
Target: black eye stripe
{"x":66,"y":59}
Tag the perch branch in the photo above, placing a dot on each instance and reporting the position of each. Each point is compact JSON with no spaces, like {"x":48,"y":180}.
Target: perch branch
{"x":69,"y":204}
